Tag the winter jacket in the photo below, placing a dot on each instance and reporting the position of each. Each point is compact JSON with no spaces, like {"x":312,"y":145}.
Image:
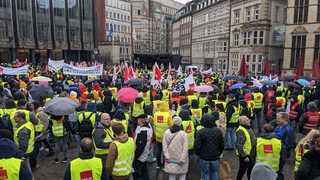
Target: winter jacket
{"x":175,"y":148}
{"x":143,"y":140}
{"x":9,"y":150}
{"x":209,"y":142}
{"x":88,"y":155}
{"x":98,"y":136}
{"x":45,"y":122}
{"x":241,"y":139}
{"x":286,"y":135}
{"x":230,"y":111}
{"x":309,"y":168}
{"x":23,"y":139}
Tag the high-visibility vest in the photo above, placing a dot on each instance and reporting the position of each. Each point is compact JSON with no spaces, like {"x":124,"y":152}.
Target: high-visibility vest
{"x":202,"y":101}
{"x":257,"y":98}
{"x":27,"y":114}
{"x":312,"y":122}
{"x":137,"y":109}
{"x":268,"y":152}
{"x":300,"y":151}
{"x":280,"y":98}
{"x":247,"y":145}
{"x":160,"y":122}
{"x":58,"y":129}
{"x":199,"y":127}
{"x":10,"y":168}
{"x":191,"y":98}
{"x":188,"y":127}
{"x":39,"y":126}
{"x":146,"y":98}
{"x":157,"y":105}
{"x":165,"y":95}
{"x":124,"y":123}
{"x":107,"y":138}
{"x":30,"y":127}
{"x":235,"y":115}
{"x":221,"y":102}
{"x":197,"y":112}
{"x":114,"y":92}
{"x":123,"y":163}
{"x":292,"y":113}
{"x":301,"y":99}
{"x":86,"y":168}
{"x":209,"y":109}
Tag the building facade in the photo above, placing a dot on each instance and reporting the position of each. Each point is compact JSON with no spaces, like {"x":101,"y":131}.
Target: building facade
{"x":182,"y":33}
{"x":210,"y":34}
{"x":303,"y":34}
{"x":257,"y":31}
{"x":40,"y":29}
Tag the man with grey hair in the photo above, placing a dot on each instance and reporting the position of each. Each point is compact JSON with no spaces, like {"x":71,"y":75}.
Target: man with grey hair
{"x":309,"y":120}
{"x":142,"y":140}
{"x":245,"y":147}
{"x":284,"y":132}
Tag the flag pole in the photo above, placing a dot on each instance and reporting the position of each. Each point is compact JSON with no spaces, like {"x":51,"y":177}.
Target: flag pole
{"x":131,"y":31}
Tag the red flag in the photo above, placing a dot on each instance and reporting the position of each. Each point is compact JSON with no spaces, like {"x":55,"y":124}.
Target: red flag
{"x":131,"y":73}
{"x":316,"y":69}
{"x":266,"y":67}
{"x":25,"y":62}
{"x":46,"y":70}
{"x":157,"y":73}
{"x":126,"y":74}
{"x":300,"y":67}
{"x":243,"y":71}
{"x":1,"y":70}
{"x":17,"y":63}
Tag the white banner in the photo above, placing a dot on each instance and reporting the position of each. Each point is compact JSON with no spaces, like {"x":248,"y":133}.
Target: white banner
{"x":14,"y":71}
{"x":55,"y":65}
{"x":83,"y":71}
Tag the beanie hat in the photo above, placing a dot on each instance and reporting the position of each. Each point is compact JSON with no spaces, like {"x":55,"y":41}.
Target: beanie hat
{"x":177,"y":121}
{"x":73,"y":94}
{"x":262,"y":171}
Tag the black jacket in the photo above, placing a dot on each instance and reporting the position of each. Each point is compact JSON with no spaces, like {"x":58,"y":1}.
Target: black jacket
{"x":209,"y":142}
{"x":230,"y":111}
{"x":310,"y":166}
{"x":104,"y":175}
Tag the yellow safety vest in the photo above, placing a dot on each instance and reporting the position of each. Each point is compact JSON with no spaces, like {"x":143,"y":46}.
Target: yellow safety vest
{"x":209,"y":109}
{"x":124,"y":123}
{"x":108,"y":138}
{"x":221,"y":102}
{"x":137,"y":109}
{"x":86,"y":168}
{"x":160,"y":122}
{"x":39,"y":126}
{"x":29,"y":126}
{"x":146,"y":98}
{"x":280,"y":98}
{"x":236,"y":115}
{"x":114,"y":92}
{"x":190,"y":98}
{"x":13,"y":122}
{"x":247,"y":145}
{"x":257,"y":98}
{"x":123,"y":163}
{"x":268,"y":152}
{"x":202,"y":101}
{"x":58,"y":129}
{"x":188,"y":127}
{"x":199,"y":127}
{"x":300,"y":151}
{"x":157,"y":105}
{"x":165,"y":95}
{"x":197,"y":112}
{"x":301,"y":99}
{"x":10,"y":168}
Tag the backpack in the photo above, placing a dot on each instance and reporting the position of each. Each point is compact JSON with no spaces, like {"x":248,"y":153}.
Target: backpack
{"x":85,"y":127}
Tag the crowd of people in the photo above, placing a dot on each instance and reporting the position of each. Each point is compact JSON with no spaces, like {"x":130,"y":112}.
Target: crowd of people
{"x":116,"y":140}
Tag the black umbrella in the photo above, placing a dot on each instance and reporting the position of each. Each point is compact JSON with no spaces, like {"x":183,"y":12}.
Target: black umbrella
{"x":135,"y":81}
{"x":40,"y":91}
{"x":292,"y":84}
{"x":233,"y":77}
{"x":216,"y":89}
{"x":92,"y":80}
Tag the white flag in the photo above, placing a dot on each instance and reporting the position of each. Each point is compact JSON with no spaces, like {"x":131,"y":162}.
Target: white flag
{"x":114,"y":77}
{"x":189,"y":83}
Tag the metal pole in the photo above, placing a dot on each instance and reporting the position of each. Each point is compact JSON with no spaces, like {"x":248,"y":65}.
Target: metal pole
{"x":112,"y":49}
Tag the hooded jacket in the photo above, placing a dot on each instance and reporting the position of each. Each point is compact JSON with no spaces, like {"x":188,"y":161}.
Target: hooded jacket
{"x":209,"y":142}
{"x":9,"y":150}
{"x":309,"y":168}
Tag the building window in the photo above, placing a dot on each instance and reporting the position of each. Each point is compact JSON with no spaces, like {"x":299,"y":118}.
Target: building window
{"x":246,"y":38}
{"x":316,"y":47}
{"x":22,"y":5}
{"x":255,"y":37}
{"x":261,"y":37}
{"x":4,"y":3}
{"x":73,"y":8}
{"x":298,"y":48}
{"x":236,"y":39}
{"x":256,"y":14}
{"x":248,"y":15}
{"x":284,"y":15}
{"x":258,"y":37}
{"x":276,"y":13}
{"x":301,"y":8}
{"x":236,"y":17}
{"x":136,"y":24}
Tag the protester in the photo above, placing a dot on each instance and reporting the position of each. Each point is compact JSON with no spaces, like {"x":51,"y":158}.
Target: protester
{"x":309,"y":120}
{"x":258,"y":104}
{"x":232,"y":114}
{"x":175,"y":151}
{"x":262,"y":171}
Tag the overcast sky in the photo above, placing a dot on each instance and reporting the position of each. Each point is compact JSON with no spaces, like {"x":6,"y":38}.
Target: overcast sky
{"x":183,"y":1}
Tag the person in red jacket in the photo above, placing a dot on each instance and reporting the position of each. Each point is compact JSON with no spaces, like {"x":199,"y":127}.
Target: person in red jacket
{"x":309,"y":120}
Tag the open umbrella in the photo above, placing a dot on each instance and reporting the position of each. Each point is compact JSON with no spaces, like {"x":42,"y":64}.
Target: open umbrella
{"x":300,"y":67}
{"x":41,"y":78}
{"x":292,"y":84}
{"x":203,"y":88}
{"x":304,"y":83}
{"x":269,"y":83}
{"x":135,"y":81}
{"x":216,"y":88}
{"x":61,"y":106}
{"x":40,"y":91}
{"x":233,"y":77}
{"x":243,"y":71}
{"x":127,"y":94}
{"x":290,"y":75}
{"x":92,"y":80}
{"x":238,"y":85}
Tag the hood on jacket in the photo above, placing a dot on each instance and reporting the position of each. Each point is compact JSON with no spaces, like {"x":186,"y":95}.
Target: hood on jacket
{"x":8,"y":148}
{"x":91,"y":107}
{"x":119,"y":114}
{"x":269,"y":135}
{"x":122,"y":138}
{"x":138,"y":100}
{"x":194,"y":104}
{"x":164,"y":107}
{"x":83,"y":88}
{"x":262,"y":171}
{"x":184,"y":115}
{"x":208,"y":121}
{"x":96,"y":86}
{"x":185,"y":107}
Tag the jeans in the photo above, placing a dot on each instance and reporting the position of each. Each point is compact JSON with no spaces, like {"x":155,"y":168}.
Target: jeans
{"x":180,"y":176}
{"x":60,"y":144}
{"x":258,"y":114}
{"x":159,"y":153}
{"x":209,"y":169}
{"x":230,"y":137}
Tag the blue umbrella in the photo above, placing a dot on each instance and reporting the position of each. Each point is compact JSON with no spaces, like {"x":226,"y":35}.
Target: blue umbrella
{"x":238,"y":85}
{"x":269,"y":83}
{"x":304,"y":82}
